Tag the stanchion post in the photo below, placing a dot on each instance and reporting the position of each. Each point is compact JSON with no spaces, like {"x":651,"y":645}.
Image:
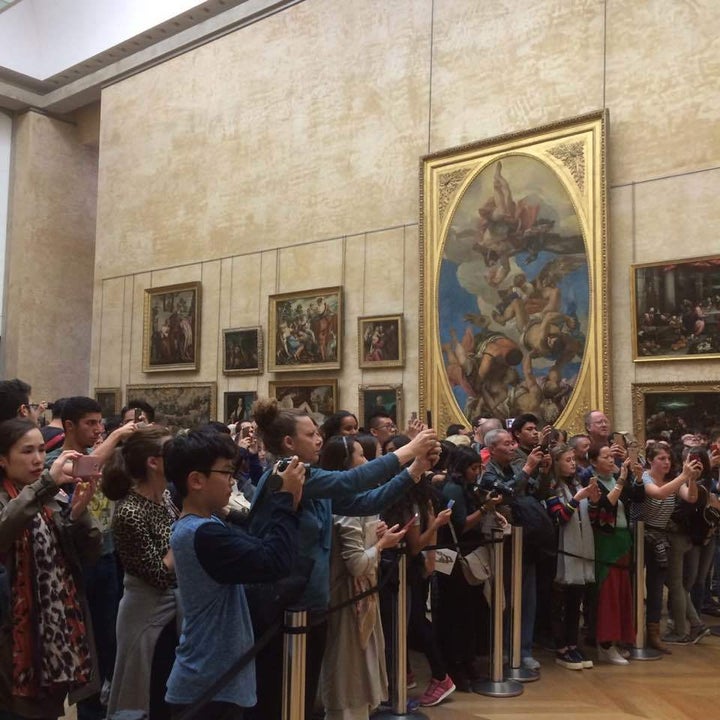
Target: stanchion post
{"x":399,"y":649}
{"x":516,"y":671}
{"x":639,"y":651}
{"x":294,"y":654}
{"x":497,"y":686}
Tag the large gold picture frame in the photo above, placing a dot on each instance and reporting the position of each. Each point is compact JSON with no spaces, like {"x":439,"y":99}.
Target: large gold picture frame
{"x":674,"y":407}
{"x":514,"y":300}
{"x":676,"y":309}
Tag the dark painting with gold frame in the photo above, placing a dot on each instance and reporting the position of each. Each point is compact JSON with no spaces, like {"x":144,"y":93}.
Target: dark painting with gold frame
{"x":676,"y":309}
{"x":318,"y":397}
{"x":171,"y":328}
{"x":242,"y":351}
{"x":178,"y":405}
{"x":374,"y":398}
{"x":380,"y":341}
{"x":669,"y":410}
{"x":514,"y":300}
{"x":305,"y":330}
{"x":109,"y":399}
{"x":238,"y":406}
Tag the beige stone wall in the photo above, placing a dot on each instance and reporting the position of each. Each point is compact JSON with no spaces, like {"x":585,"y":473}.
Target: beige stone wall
{"x":50,"y":255}
{"x":285,"y":156}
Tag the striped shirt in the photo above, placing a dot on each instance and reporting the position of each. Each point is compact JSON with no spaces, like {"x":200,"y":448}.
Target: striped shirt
{"x":656,"y":512}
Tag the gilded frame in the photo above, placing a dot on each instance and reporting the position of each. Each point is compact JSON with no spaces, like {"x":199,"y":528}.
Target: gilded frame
{"x":178,"y":405}
{"x":641,"y":391}
{"x":318,"y":396}
{"x":664,"y":287}
{"x":246,"y":339}
{"x":110,"y":400}
{"x":572,"y":155}
{"x":388,"y":392}
{"x":164,"y":348}
{"x":296,"y":330}
{"x":231,"y":405}
{"x":381,"y":352}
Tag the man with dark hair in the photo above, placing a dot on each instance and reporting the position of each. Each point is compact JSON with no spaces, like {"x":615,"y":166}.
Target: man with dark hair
{"x":212,"y":561}
{"x":147,"y":412}
{"x":456,"y":429}
{"x":15,"y":400}
{"x":382,"y":426}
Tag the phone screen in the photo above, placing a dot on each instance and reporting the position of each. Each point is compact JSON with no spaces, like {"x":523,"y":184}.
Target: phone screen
{"x":409,"y":522}
{"x":633,"y":453}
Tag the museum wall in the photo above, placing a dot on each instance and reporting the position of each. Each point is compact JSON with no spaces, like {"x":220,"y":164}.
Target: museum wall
{"x":284,"y":157}
{"x":49,"y":262}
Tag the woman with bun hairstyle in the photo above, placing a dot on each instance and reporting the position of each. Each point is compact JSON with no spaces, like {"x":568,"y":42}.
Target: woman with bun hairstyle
{"x":47,"y":651}
{"x":354,"y":492}
{"x":134,"y":477}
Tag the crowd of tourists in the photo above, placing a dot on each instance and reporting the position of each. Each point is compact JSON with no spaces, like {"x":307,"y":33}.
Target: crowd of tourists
{"x":139,"y":567}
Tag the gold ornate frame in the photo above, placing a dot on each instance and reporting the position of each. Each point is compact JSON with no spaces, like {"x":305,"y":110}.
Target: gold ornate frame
{"x":363,"y":361}
{"x":396,"y":389}
{"x":640,"y":391}
{"x":635,"y":280}
{"x":574,"y":151}
{"x":154,"y":293}
{"x":278,"y":361}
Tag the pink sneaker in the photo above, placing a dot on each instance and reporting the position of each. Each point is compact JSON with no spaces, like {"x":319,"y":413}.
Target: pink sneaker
{"x":437,"y":691}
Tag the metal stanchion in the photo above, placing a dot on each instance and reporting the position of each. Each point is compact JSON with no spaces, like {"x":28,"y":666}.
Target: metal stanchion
{"x":639,"y":651}
{"x":399,"y":647}
{"x":516,"y":671}
{"x":497,"y":685}
{"x":294,"y":653}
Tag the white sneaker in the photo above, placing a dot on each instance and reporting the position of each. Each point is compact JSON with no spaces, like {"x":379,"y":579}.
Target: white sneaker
{"x":611,"y":655}
{"x":530,"y":663}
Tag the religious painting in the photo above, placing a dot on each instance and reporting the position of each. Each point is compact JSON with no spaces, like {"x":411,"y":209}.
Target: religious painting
{"x":242,"y":351}
{"x":667,"y":411}
{"x":380,"y":398}
{"x":171,"y":328}
{"x":380,"y":341}
{"x":316,"y":397}
{"x":514,"y":294}
{"x":676,"y":309}
{"x":305,"y":330}
{"x":179,"y":406}
{"x":238,"y":406}
{"x":109,"y":400}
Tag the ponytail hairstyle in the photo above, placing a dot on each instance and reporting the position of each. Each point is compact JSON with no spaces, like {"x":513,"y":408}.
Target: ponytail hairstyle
{"x":274,"y":423}
{"x":128,"y":464}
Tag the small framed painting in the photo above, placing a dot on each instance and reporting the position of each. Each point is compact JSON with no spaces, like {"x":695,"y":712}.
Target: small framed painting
{"x":380,"y":341}
{"x":242,"y":351}
{"x":109,"y":399}
{"x":376,"y":398}
{"x":238,"y":406}
{"x":318,"y":397}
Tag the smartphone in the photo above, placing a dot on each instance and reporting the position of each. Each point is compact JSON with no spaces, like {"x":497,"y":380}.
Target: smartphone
{"x":245,"y":432}
{"x":85,"y":466}
{"x":413,"y":416}
{"x":450,"y":504}
{"x":633,"y":453}
{"x":137,"y":417}
{"x":509,"y":422}
{"x":428,"y":418}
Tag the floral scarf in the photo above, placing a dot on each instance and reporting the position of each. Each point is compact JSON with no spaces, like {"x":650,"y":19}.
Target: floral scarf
{"x":50,"y":645}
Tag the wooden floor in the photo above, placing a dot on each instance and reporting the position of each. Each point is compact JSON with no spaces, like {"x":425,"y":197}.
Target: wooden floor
{"x":682,"y":686}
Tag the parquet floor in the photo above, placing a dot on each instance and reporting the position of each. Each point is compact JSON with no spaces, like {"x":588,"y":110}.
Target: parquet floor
{"x":682,"y":686}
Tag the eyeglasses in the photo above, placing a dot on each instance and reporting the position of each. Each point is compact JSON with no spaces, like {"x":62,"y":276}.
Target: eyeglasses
{"x":387,"y":426}
{"x":227,"y":473}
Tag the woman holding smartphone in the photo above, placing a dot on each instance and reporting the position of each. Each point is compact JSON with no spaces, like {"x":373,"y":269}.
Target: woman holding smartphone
{"x":46,"y":643}
{"x":291,"y":432}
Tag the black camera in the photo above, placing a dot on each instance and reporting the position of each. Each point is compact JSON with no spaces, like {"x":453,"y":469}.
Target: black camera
{"x":284,"y":462}
{"x":499,"y":488}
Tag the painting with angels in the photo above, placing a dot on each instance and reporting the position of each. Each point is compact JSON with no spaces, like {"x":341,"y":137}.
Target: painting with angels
{"x":514,"y":292}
